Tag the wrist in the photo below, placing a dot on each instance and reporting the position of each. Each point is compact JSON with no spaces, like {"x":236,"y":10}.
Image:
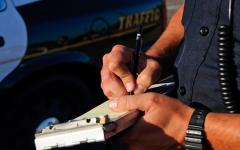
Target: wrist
{"x":195,"y":134}
{"x":181,"y":119}
{"x":164,"y":62}
{"x":185,"y":121}
{"x":155,"y":52}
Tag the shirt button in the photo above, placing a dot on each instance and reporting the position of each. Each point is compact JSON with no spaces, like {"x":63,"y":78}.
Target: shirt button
{"x":204,"y":31}
{"x":182,"y":90}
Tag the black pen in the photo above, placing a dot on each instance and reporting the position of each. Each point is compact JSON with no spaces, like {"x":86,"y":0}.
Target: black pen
{"x":137,"y":52}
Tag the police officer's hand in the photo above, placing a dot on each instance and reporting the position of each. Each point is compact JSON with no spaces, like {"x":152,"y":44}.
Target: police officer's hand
{"x":116,"y":76}
{"x":162,"y":126}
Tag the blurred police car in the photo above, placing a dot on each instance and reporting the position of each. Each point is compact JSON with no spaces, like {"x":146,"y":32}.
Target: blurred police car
{"x":50,"y":57}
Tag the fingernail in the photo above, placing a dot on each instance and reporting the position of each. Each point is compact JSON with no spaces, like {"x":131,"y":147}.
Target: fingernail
{"x":112,"y":104}
{"x":129,"y":86}
{"x":139,"y":89}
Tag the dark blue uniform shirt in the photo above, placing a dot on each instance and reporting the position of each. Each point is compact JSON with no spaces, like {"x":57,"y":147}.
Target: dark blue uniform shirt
{"x":197,"y":60}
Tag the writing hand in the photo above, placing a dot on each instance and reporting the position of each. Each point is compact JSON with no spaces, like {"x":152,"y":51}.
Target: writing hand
{"x":116,"y":77}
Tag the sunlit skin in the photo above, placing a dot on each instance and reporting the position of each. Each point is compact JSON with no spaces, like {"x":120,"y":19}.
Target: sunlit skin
{"x":163,"y":126}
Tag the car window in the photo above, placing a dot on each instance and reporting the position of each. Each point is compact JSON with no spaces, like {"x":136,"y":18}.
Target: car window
{"x":2,"y":5}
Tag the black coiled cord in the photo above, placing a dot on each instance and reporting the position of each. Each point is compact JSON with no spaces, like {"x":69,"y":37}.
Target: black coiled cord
{"x":227,"y":68}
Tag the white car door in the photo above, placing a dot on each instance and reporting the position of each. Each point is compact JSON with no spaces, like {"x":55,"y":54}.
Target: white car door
{"x":13,"y":38}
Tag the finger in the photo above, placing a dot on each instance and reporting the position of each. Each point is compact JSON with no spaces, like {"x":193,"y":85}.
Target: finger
{"x":148,"y":76}
{"x":141,"y":102}
{"x":110,"y":84}
{"x":119,"y":60}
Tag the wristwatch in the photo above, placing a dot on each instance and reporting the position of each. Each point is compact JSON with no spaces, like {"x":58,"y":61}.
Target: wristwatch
{"x":195,"y":137}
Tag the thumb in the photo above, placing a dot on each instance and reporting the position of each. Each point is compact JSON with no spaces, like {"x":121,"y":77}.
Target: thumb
{"x":132,"y":102}
{"x":148,"y":76}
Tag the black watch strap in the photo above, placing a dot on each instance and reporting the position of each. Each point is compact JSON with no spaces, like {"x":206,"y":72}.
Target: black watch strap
{"x":195,"y":137}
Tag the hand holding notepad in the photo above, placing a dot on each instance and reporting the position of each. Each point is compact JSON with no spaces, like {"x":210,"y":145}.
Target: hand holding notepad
{"x":99,"y":124}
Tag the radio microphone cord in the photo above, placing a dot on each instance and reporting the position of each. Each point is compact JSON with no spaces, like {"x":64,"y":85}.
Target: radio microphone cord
{"x":227,"y":69}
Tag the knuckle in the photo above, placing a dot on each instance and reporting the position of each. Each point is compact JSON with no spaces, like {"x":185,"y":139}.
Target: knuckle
{"x":102,"y":72}
{"x":107,"y":92}
{"x":105,"y":57}
{"x":153,"y":99}
{"x":120,"y":53}
{"x":105,"y":77}
{"x":104,"y":88}
{"x":102,"y":85}
{"x":118,"y":47}
{"x":113,"y":66}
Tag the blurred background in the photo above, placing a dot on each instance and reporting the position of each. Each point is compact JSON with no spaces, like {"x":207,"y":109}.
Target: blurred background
{"x":51,"y":55}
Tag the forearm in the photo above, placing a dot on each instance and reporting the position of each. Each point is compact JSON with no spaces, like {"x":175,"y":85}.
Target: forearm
{"x":169,"y":40}
{"x":223,"y":131}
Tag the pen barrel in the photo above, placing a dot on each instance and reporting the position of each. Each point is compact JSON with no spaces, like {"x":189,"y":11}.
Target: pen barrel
{"x":137,"y":55}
